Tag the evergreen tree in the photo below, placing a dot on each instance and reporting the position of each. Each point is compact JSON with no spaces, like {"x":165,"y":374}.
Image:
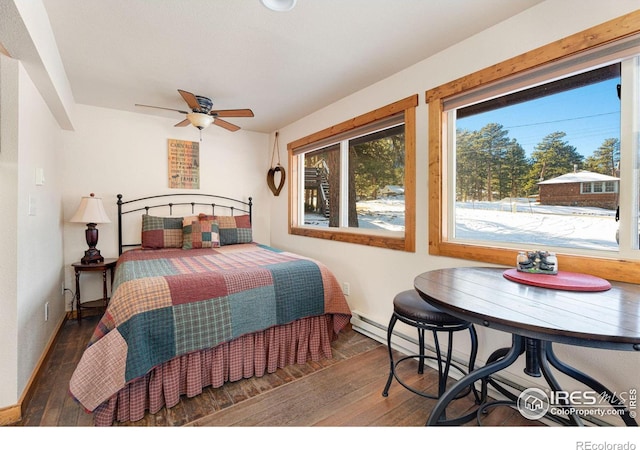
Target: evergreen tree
{"x":605,"y":159}
{"x":551,"y":158}
{"x":493,"y":144}
{"x":470,"y":169}
{"x":376,"y":164}
{"x":514,"y":171}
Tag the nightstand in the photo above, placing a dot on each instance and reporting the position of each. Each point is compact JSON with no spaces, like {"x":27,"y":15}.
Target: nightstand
{"x":108,"y":265}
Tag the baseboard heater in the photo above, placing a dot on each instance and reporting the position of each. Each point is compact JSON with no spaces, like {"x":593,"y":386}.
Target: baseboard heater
{"x":409,"y":346}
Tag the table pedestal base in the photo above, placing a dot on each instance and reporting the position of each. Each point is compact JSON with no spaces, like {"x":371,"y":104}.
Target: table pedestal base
{"x":539,"y":359}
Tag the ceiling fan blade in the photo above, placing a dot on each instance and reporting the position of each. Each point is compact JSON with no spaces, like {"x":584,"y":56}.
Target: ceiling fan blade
{"x":225,"y":124}
{"x":184,"y":123}
{"x":191,"y":99}
{"x":160,"y":107}
{"x":232,"y":113}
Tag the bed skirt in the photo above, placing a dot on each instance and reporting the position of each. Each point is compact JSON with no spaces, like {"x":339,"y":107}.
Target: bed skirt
{"x":251,"y":355}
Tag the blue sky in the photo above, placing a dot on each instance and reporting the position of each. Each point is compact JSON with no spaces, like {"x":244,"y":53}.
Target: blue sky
{"x":587,"y":115}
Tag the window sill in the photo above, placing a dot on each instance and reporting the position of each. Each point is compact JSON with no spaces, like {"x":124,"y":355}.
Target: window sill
{"x":374,"y":240}
{"x":608,"y":268}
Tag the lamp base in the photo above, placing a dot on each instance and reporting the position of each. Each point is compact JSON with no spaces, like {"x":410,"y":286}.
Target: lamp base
{"x":92,"y":256}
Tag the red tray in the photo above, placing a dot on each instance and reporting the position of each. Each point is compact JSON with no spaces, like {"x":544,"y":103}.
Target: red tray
{"x":566,"y":281}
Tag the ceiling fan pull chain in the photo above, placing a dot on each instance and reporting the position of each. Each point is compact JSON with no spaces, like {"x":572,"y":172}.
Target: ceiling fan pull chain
{"x":273,"y":169}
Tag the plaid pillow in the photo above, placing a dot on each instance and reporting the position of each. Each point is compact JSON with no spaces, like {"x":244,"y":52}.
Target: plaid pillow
{"x":201,"y":233}
{"x":161,"y":232}
{"x":234,"y":229}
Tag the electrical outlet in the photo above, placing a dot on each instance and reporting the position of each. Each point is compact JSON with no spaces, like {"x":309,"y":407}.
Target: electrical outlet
{"x":346,"y":288}
{"x":46,"y":311}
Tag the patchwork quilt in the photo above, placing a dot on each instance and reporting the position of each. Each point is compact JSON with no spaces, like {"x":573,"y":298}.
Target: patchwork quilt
{"x":170,"y":302}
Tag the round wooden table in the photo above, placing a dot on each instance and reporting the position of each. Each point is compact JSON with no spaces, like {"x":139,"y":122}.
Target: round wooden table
{"x":536,"y":317}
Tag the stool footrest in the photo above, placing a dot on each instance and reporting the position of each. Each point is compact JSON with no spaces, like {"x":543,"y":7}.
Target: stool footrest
{"x":385,"y":393}
{"x":411,"y":309}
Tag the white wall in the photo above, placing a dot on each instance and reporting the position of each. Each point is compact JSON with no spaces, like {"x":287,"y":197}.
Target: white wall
{"x":8,"y":230}
{"x":376,"y":275}
{"x":31,"y":243}
{"x":114,"y":152}
{"x":39,"y":227}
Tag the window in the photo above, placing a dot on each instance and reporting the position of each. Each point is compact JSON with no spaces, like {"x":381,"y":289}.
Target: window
{"x":355,"y":182}
{"x":607,"y":186}
{"x":510,"y":182}
{"x":542,"y":142}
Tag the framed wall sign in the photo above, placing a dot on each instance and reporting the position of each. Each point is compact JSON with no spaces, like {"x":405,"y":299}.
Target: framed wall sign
{"x":184,"y":164}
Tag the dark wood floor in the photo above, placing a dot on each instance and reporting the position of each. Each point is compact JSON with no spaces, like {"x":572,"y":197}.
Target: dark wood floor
{"x":342,"y":391}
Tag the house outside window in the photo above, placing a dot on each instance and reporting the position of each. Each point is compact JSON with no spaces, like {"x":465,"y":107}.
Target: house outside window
{"x":354,"y":182}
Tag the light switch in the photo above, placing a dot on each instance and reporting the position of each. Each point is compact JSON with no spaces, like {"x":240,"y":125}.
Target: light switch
{"x":39,"y":177}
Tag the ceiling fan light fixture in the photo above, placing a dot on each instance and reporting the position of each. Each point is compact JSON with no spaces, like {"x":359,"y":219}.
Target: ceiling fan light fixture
{"x":279,"y":5}
{"x":200,"y":120}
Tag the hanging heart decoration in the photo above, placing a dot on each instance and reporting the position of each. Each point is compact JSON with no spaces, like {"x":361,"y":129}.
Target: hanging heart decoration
{"x":277,"y":169}
{"x":271,"y":175}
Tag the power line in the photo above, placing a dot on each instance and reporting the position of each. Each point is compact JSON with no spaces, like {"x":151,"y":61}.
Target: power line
{"x":561,"y":120}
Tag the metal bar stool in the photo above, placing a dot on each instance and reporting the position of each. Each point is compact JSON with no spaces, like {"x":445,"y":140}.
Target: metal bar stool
{"x":410,"y":308}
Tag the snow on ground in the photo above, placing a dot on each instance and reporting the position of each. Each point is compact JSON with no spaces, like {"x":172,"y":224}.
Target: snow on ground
{"x":521,"y":222}
{"x":384,"y":213}
{"x":509,"y":220}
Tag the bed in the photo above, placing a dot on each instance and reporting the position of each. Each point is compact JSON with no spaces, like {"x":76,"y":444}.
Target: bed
{"x":197,"y":303}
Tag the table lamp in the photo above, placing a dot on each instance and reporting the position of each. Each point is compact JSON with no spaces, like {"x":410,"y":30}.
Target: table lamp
{"x":91,"y":211}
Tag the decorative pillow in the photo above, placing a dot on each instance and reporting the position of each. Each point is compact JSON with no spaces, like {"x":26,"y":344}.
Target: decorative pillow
{"x":161,"y":232}
{"x":202,"y":232}
{"x":234,"y":229}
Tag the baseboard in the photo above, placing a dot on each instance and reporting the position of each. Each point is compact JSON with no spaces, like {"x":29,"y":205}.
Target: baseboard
{"x":10,"y":415}
{"x":13,"y":414}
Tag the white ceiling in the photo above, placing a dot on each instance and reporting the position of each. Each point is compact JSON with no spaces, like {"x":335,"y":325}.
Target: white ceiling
{"x":282,"y":65}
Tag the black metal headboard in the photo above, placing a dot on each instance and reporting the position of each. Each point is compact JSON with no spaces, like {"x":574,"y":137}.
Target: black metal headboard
{"x":230,"y":206}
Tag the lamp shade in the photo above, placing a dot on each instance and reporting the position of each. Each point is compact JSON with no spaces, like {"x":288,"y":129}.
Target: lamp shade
{"x":200,"y":120}
{"x":91,"y":210}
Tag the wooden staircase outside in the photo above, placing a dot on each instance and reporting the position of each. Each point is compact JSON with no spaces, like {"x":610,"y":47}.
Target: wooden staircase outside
{"x":316,"y":180}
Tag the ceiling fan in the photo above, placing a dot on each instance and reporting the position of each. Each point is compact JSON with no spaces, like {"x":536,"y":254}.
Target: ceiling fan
{"x":201,"y":114}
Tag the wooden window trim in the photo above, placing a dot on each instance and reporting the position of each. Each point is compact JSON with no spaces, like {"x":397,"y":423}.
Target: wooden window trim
{"x":606,"y":33}
{"x":406,"y":243}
